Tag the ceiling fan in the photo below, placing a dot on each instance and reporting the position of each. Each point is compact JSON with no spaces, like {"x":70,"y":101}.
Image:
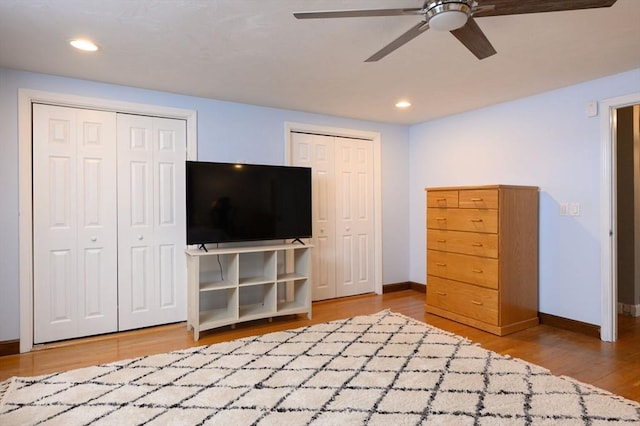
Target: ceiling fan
{"x":457,"y":16}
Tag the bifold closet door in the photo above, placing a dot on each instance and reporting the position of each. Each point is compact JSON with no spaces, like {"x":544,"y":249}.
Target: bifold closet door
{"x":151,"y":221}
{"x":354,"y":217}
{"x":343,"y":224}
{"x":74,"y":223}
{"x":317,"y":152}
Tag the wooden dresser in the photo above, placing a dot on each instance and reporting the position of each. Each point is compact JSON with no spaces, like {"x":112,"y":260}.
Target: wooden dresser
{"x":482,"y":256}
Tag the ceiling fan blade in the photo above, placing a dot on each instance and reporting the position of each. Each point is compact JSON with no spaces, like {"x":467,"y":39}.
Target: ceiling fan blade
{"x":413,"y":32}
{"x":474,"y":39}
{"x":513,"y":7}
{"x":357,"y":13}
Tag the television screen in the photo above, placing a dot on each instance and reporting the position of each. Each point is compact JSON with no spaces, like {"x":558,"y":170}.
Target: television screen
{"x":246,"y":202}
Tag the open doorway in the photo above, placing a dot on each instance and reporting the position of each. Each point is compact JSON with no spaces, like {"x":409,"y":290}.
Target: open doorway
{"x":628,"y":210}
{"x":609,"y":207}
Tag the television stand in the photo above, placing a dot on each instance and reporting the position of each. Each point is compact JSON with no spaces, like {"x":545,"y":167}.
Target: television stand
{"x":226,"y":286}
{"x":298,"y":240}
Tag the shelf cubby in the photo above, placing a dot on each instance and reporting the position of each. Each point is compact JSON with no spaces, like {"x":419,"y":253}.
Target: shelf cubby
{"x":218,"y":271}
{"x":257,"y":267}
{"x":298,"y":293}
{"x":257,"y":301}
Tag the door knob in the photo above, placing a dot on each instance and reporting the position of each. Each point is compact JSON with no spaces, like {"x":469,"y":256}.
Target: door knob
{"x":140,"y":237}
{"x":94,"y":238}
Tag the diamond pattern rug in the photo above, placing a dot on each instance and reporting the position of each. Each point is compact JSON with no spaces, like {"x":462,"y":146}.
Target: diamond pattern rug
{"x":382,"y":369}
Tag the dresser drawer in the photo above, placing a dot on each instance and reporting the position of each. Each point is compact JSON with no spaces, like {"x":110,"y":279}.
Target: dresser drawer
{"x":476,"y":244}
{"x":474,"y":220}
{"x":442,"y":198}
{"x":478,"y":199}
{"x":464,"y":299}
{"x":481,"y":271}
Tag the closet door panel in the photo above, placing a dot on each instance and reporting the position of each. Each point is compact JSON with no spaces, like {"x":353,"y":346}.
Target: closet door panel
{"x":135,"y":221}
{"x":97,"y":222}
{"x":54,"y":217}
{"x":171,"y":218}
{"x":152,"y":220}
{"x":317,"y":152}
{"x":74,"y":223}
{"x":354,"y":223}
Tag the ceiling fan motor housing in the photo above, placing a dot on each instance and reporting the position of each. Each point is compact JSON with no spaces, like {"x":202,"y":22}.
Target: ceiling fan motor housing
{"x":448,"y":15}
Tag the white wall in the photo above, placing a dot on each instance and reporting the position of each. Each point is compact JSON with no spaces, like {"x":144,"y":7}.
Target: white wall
{"x":544,"y":140}
{"x":226,"y":132}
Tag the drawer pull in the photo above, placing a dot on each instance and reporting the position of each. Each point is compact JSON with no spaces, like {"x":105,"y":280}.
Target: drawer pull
{"x":442,"y":199}
{"x":477,"y":271}
{"x":442,"y":241}
{"x":477,"y":199}
{"x":476,"y":244}
{"x":477,"y":220}
{"x":475,"y":302}
{"x":441,"y":218}
{"x":439,"y":293}
{"x":441,"y":264}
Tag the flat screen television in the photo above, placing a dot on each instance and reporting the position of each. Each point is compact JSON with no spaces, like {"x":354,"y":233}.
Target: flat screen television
{"x":246,"y":202}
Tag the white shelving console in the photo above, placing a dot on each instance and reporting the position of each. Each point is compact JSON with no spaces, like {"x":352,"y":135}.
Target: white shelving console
{"x":236,"y":284}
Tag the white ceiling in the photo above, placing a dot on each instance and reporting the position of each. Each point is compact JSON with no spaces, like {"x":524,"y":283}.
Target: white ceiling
{"x":256,"y":52}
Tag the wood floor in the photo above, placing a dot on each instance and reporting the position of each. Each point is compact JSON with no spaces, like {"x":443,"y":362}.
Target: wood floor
{"x":611,"y":366}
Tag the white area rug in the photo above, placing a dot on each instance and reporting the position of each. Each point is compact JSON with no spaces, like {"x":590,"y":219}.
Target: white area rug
{"x":382,"y":369}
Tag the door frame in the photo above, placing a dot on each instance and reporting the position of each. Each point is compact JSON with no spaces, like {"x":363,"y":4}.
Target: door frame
{"x":26,"y":97}
{"x":608,"y":214}
{"x":375,"y":139}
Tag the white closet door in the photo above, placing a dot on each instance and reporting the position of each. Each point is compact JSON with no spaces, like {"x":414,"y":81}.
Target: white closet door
{"x":317,"y":152}
{"x":151,"y":221}
{"x":354,"y":217}
{"x":343,"y":225}
{"x":74,"y":223}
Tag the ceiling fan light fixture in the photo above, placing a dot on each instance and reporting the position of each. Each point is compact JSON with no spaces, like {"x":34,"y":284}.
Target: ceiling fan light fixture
{"x":448,"y":16}
{"x":85,"y":45}
{"x":448,"y":20}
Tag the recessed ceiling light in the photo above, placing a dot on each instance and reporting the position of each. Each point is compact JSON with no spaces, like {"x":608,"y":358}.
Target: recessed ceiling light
{"x":85,"y":45}
{"x":403,"y":104}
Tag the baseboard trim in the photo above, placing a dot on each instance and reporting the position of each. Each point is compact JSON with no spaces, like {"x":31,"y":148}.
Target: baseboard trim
{"x":407,"y":285}
{"x":587,"y":329}
{"x":9,"y":347}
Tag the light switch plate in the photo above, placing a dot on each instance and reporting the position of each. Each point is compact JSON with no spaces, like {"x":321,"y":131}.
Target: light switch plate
{"x":574,"y":209}
{"x":564,"y":209}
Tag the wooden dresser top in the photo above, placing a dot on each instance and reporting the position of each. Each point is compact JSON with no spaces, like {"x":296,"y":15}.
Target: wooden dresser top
{"x":457,"y":188}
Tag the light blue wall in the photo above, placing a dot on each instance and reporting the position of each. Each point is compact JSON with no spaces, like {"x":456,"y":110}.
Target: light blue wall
{"x":226,"y":132}
{"x":544,"y":140}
